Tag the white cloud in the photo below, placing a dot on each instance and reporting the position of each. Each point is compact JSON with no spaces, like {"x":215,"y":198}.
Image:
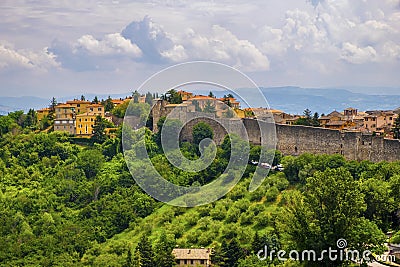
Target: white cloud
{"x":220,"y":45}
{"x":358,"y":55}
{"x":111,"y":44}
{"x":26,"y":59}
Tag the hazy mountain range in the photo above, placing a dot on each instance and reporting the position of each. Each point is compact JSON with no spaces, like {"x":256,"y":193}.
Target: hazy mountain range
{"x":288,"y":99}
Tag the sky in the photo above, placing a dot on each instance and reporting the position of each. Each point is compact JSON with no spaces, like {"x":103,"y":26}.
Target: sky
{"x":62,"y":48}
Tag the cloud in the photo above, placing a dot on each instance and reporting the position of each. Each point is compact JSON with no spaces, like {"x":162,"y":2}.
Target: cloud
{"x":11,"y":59}
{"x":358,"y":55}
{"x":110,"y":45}
{"x":150,"y":38}
{"x":147,"y":42}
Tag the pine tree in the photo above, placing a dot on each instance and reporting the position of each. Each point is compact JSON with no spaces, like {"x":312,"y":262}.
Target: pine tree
{"x":149,"y":99}
{"x":53,"y":105}
{"x":99,"y":127}
{"x":144,"y":256}
{"x":129,"y":260}
{"x":136,"y":96}
{"x":257,"y":243}
{"x":164,"y":256}
{"x":396,"y":128}
{"x":108,"y":104}
{"x":83,"y":98}
{"x":229,"y":254}
{"x":95,"y":100}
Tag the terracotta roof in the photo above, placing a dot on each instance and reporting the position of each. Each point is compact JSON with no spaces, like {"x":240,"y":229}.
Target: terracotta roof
{"x":78,"y":102}
{"x":335,"y":113}
{"x":202,"y":97}
{"x":64,"y":106}
{"x":192,"y":253}
{"x":95,"y":105}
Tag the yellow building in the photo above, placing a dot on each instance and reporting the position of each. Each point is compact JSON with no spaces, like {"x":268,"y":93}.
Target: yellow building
{"x":95,"y":109}
{"x":41,"y":113}
{"x":84,"y":124}
{"x":79,"y":106}
{"x":85,"y":121}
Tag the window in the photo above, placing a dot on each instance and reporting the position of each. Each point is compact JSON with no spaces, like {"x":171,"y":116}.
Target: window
{"x":201,"y":261}
{"x":79,"y":105}
{"x":99,"y":109}
{"x":390,"y":118}
{"x":366,"y":119}
{"x":191,"y":262}
{"x":80,"y":119}
{"x":185,"y":262}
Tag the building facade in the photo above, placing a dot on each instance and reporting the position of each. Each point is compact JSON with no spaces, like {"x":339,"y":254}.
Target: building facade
{"x":192,"y":257}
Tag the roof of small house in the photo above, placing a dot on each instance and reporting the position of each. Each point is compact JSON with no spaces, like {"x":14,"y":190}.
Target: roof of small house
{"x":192,"y":253}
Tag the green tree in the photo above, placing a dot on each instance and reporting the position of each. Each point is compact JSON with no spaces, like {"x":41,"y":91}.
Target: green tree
{"x":83,"y":98}
{"x":95,"y":100}
{"x":201,"y":131}
{"x":396,"y":128}
{"x":90,"y":161}
{"x":229,"y":254}
{"x":99,"y":135}
{"x":149,"y":99}
{"x":52,"y":111}
{"x":209,"y":107}
{"x":30,"y":119}
{"x":163,"y":251}
{"x":210,"y":94}
{"x":330,"y":209}
{"x":144,"y":255}
{"x":136,"y":96}
{"x":173,"y":97}
{"x":108,"y":105}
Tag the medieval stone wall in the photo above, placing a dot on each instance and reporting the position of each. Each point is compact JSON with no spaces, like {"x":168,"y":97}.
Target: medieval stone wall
{"x":295,"y":140}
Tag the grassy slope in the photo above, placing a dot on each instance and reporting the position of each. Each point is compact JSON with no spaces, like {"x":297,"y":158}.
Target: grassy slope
{"x":238,"y":214}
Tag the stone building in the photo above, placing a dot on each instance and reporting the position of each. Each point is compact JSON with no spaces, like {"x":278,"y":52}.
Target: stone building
{"x":380,"y":122}
{"x":192,"y":256}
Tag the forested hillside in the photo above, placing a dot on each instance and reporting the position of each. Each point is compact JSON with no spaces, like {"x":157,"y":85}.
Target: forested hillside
{"x":64,"y":204}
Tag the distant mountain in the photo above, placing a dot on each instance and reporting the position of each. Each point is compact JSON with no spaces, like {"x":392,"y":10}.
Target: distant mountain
{"x":296,"y":99}
{"x":288,"y":99}
{"x":10,"y":104}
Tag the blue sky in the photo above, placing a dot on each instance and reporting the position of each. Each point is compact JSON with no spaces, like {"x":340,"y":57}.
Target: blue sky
{"x":73,"y":47}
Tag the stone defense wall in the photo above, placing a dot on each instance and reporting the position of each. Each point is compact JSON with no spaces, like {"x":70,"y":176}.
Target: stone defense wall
{"x":295,"y":140}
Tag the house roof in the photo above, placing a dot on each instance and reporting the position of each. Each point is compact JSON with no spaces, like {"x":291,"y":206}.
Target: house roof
{"x":335,"y":114}
{"x":78,"y":102}
{"x":192,"y":253}
{"x":202,"y":97}
{"x":95,"y":105}
{"x":64,"y":106}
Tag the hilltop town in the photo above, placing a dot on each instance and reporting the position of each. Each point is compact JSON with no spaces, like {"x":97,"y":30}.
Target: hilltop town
{"x":78,"y":116}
